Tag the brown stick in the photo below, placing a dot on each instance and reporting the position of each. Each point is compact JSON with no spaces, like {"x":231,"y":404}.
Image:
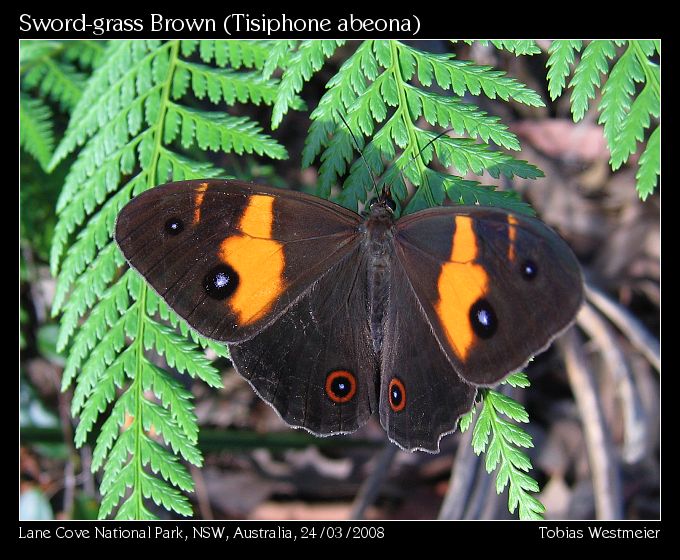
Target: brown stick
{"x":634,"y":418}
{"x":371,"y":487}
{"x":201,"y":493}
{"x":635,"y":331}
{"x":603,"y":464}
{"x":462,"y":479}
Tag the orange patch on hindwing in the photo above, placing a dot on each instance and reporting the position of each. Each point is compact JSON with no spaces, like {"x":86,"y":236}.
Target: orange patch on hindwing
{"x":512,"y":236}
{"x":257,"y":259}
{"x":461,"y":283}
{"x":198,"y":201}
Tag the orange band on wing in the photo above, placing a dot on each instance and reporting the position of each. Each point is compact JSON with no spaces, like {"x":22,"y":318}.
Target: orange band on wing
{"x":198,"y":201}
{"x":512,"y":235}
{"x":257,"y":259}
{"x":461,"y":283}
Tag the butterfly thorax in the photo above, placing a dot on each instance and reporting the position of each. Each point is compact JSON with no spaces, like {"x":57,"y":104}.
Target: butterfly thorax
{"x":379,"y":232}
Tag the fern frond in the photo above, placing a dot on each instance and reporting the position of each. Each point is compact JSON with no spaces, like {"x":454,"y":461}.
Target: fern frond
{"x":130,"y":121}
{"x":305,"y":61}
{"x":631,"y":96}
{"x":617,"y":94}
{"x":225,"y":84}
{"x":220,"y":131}
{"x":517,"y":47}
{"x":559,"y":64}
{"x":650,"y":165}
{"x":35,"y":129}
{"x":382,"y":90}
{"x":235,"y":54}
{"x":48,"y":76}
{"x":47,"y":66}
{"x":87,"y":53}
{"x":588,"y":75}
{"x":502,"y":441}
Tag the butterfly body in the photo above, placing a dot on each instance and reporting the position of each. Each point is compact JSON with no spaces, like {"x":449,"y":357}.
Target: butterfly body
{"x":378,"y":233}
{"x":332,"y":316}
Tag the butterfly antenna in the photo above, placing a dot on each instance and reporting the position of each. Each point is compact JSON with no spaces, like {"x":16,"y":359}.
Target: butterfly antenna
{"x":432,"y":141}
{"x":356,"y":145}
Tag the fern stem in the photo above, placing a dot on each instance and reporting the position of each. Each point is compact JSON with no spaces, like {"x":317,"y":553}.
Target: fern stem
{"x":138,"y":385}
{"x":139,"y":395}
{"x":406,"y":118}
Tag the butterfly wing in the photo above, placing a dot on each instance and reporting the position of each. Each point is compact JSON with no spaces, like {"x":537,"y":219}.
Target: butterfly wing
{"x":315,"y":364}
{"x":421,"y":395}
{"x":230,"y":257}
{"x":496,"y":287}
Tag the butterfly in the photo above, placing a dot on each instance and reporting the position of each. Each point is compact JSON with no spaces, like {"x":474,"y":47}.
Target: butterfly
{"x":332,"y":316}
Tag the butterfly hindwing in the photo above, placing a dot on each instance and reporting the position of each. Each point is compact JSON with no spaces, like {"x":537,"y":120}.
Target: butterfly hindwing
{"x":421,"y":395}
{"x":315,"y":364}
{"x":230,"y":257}
{"x":496,"y":287}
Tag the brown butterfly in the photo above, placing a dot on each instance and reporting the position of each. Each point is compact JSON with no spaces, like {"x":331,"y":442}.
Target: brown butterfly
{"x":331,"y":316}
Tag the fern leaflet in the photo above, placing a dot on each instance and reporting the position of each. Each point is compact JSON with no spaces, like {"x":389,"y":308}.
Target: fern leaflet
{"x":384,"y":88}
{"x":503,"y":449}
{"x":630,"y":102}
{"x":132,"y":120}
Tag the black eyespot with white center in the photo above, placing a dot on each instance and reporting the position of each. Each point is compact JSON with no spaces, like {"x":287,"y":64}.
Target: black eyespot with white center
{"x":174,"y":226}
{"x":483,"y":319}
{"x":220,"y":282}
{"x":529,"y":270}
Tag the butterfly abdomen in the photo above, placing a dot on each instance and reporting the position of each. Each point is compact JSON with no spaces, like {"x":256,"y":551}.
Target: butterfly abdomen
{"x":379,"y":232}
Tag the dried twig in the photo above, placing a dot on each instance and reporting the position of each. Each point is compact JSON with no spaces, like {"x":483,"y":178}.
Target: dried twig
{"x":635,"y":421}
{"x":201,"y":493}
{"x":602,"y":460}
{"x":638,"y":335}
{"x":462,"y":479}
{"x":371,"y":487}
{"x":482,"y":485}
{"x":64,"y":407}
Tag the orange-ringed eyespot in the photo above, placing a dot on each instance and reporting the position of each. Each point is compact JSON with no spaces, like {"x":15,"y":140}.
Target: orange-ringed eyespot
{"x":397,"y":394}
{"x":341,"y":386}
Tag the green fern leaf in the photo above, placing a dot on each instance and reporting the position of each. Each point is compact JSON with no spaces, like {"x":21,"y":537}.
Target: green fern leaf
{"x":559,"y":64}
{"x":302,"y":65}
{"x":502,"y":442}
{"x":650,"y":165}
{"x":35,"y":129}
{"x":631,"y":96}
{"x":588,"y":75}
{"x":517,"y":46}
{"x":381,"y":90}
{"x":632,"y":129}
{"x":225,"y":84}
{"x":130,"y":116}
{"x":46,"y":69}
{"x":616,"y":97}
{"x":48,"y":76}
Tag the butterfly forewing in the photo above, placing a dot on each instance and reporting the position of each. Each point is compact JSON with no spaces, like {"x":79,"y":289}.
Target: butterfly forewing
{"x":496,"y":287}
{"x":230,"y":257}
